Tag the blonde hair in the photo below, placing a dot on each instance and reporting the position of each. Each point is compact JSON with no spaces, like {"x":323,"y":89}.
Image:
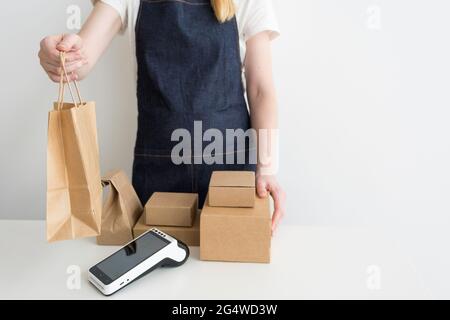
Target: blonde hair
{"x":224,"y":9}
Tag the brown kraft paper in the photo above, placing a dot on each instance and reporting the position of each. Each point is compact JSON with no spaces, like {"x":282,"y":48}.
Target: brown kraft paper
{"x":74,"y":191}
{"x":121,"y":210}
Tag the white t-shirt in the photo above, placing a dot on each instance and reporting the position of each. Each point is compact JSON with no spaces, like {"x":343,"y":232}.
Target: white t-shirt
{"x":253,"y":17}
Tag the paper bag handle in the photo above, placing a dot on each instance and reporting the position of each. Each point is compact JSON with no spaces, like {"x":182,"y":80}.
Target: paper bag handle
{"x":62,"y":85}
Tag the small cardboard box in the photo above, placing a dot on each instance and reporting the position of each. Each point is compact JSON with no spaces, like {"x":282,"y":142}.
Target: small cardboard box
{"x":236,"y":234}
{"x":189,"y":235}
{"x":232,"y":189}
{"x":171,"y":209}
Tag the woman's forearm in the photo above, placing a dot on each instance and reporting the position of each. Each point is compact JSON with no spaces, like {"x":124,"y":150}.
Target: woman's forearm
{"x":261,"y":94}
{"x":264,"y":119}
{"x":264,"y":111}
{"x":97,"y":33}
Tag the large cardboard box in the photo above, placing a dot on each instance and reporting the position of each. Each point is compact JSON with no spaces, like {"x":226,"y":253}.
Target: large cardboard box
{"x":232,"y":189}
{"x":189,"y":235}
{"x":171,"y":209}
{"x":236,"y":234}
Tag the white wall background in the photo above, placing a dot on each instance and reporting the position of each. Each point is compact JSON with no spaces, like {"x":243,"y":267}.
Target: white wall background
{"x":364,"y":101}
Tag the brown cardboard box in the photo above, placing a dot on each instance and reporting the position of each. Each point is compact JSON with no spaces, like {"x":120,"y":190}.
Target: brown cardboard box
{"x":236,"y":234}
{"x":171,"y":209}
{"x":232,"y":189}
{"x":189,"y":235}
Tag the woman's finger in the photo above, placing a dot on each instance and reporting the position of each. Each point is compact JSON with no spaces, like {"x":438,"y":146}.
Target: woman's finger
{"x":57,"y":69}
{"x":51,"y":67}
{"x":74,"y":66}
{"x":261,"y":188}
{"x":55,"y":60}
{"x":53,"y":56}
{"x":56,"y":77}
{"x":276,"y":213}
{"x":48,"y":48}
{"x":49,"y":62}
{"x":278,"y":201}
{"x":70,"y":42}
{"x":74,"y":56}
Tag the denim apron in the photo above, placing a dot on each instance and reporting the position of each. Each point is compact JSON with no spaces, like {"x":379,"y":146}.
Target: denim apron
{"x":189,"y":69}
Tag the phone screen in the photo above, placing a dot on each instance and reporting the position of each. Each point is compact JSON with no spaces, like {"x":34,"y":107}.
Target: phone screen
{"x":130,"y":256}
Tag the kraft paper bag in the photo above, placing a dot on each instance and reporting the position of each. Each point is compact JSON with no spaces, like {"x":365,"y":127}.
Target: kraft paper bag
{"x":74,"y":190}
{"x":121,"y":210}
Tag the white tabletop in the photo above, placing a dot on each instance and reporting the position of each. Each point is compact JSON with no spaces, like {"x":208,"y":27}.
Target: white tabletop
{"x":307,"y":263}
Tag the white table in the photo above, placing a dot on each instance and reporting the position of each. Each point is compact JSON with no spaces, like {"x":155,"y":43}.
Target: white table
{"x":307,"y":262}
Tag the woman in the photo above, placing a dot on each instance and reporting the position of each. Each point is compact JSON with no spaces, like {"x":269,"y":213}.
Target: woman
{"x":189,"y":72}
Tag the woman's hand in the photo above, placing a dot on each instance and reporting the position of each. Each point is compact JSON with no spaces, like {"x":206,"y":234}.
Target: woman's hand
{"x":49,"y":58}
{"x":84,"y":49}
{"x":268,"y":184}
